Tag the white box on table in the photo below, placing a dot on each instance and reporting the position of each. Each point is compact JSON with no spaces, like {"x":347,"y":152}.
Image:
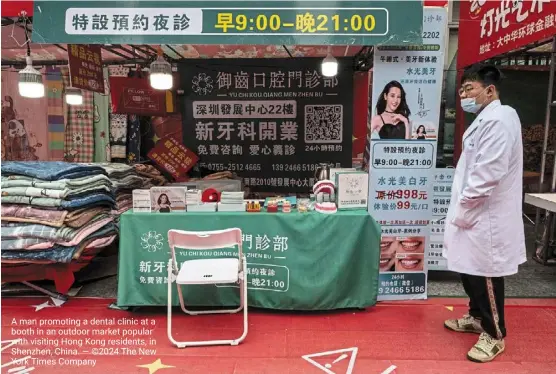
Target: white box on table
{"x":141,"y":200}
{"x":334,"y":171}
{"x":202,"y":208}
{"x":168,"y":199}
{"x":352,"y":190}
{"x":232,"y":207}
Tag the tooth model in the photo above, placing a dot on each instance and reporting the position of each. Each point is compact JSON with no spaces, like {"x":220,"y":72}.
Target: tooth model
{"x":325,"y":187}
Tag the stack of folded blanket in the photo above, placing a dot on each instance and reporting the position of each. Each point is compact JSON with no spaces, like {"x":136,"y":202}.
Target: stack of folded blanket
{"x":126,"y":178}
{"x":54,"y":212}
{"x":151,"y":176}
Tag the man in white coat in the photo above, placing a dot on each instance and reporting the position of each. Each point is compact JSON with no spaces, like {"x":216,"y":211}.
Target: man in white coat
{"x":484,"y":236}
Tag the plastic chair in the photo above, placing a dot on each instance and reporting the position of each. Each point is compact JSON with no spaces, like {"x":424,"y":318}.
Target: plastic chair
{"x":207,"y":271}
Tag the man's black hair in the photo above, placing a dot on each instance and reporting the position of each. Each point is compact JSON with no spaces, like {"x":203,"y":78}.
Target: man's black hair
{"x":485,"y":74}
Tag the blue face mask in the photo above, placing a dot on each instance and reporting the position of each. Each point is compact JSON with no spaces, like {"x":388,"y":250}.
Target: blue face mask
{"x":469,"y":104}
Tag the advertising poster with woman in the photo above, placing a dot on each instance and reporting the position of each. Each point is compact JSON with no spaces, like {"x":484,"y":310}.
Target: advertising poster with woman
{"x":407,"y":84}
{"x":404,"y":114}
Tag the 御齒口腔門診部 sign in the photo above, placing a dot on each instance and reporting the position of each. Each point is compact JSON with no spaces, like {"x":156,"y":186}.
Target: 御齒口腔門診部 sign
{"x":229,"y":22}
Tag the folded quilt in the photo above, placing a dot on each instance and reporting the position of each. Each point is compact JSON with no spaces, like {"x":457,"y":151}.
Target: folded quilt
{"x":84,"y":216}
{"x":96,"y":245}
{"x":77,"y":213}
{"x":67,"y":233}
{"x":30,"y":231}
{"x":58,"y":253}
{"x":50,"y":170}
{"x":95,"y":198}
{"x":24,"y":181}
{"x":66,"y":237}
{"x":129,"y":182}
{"x":114,"y":170}
{"x":25,"y":213}
{"x":148,"y":170}
{"x":24,"y":243}
{"x":34,"y":192}
{"x":34,"y":201}
{"x":56,"y":194}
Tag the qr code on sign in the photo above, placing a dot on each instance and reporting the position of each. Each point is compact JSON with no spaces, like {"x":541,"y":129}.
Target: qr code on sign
{"x":323,"y":123}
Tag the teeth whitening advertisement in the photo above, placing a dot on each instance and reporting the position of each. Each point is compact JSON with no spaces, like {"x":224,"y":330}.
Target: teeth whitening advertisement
{"x":404,"y":122}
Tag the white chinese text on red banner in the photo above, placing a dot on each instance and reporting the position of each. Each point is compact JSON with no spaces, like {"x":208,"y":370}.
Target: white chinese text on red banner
{"x":491,"y":28}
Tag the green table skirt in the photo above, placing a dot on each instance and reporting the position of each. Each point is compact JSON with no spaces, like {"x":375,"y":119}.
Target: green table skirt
{"x":296,"y":261}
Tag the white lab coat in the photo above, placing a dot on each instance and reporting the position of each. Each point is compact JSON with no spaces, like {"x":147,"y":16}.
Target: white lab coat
{"x":484,"y":233}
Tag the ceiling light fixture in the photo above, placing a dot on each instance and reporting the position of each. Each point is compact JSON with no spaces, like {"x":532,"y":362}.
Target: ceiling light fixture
{"x":160,"y":75}
{"x":30,"y":79}
{"x":74,"y":96}
{"x":329,"y":66}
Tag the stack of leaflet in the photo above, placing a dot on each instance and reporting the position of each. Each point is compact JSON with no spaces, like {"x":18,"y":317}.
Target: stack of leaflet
{"x":194,"y":202}
{"x":193,"y":197}
{"x":231,"y":202}
{"x":53,"y":213}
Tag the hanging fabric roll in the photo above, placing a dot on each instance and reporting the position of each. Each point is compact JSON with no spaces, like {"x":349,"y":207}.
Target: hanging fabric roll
{"x":118,"y":122}
{"x":56,"y":118}
{"x":101,"y":118}
{"x":79,"y":138}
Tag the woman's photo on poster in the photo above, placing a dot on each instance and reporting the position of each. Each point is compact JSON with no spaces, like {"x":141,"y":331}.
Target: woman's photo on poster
{"x":392,"y":114}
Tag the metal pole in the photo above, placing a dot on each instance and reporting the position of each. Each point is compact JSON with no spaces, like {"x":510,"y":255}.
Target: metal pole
{"x":548,"y":226}
{"x":546,"y":131}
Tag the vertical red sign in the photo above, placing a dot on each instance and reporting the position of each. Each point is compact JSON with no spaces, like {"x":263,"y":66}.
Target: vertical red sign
{"x":488,"y":28}
{"x":85,"y":65}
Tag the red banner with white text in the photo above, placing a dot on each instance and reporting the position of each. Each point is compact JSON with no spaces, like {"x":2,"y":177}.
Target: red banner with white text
{"x":12,"y":8}
{"x":488,"y":28}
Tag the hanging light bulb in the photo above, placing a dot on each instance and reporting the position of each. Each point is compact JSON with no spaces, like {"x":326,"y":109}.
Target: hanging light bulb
{"x":30,"y":81}
{"x":329,"y":66}
{"x":161,"y":73}
{"x":74,"y":96}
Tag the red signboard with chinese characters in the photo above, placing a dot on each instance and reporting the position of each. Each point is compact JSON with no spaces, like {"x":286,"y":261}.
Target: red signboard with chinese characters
{"x":85,"y":65}
{"x":488,"y":28}
{"x":172,"y":156}
{"x":11,"y":8}
{"x":436,"y":3}
{"x":131,"y":95}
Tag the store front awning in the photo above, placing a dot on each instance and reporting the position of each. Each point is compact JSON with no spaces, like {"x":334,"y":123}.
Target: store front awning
{"x":14,"y":50}
{"x":229,"y":22}
{"x":493,"y":28}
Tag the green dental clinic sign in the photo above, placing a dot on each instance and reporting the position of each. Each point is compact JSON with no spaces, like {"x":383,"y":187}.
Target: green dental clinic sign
{"x":229,"y":22}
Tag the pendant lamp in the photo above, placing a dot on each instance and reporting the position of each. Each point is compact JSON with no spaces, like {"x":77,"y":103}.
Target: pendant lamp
{"x":160,"y":75}
{"x":329,"y":66}
{"x":74,"y":96}
{"x":30,"y":80}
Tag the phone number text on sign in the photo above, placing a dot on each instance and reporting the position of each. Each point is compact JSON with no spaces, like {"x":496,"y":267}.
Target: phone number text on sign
{"x":390,"y":155}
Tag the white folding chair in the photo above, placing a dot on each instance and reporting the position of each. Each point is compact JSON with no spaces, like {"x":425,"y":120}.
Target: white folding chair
{"x":207,"y":271}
